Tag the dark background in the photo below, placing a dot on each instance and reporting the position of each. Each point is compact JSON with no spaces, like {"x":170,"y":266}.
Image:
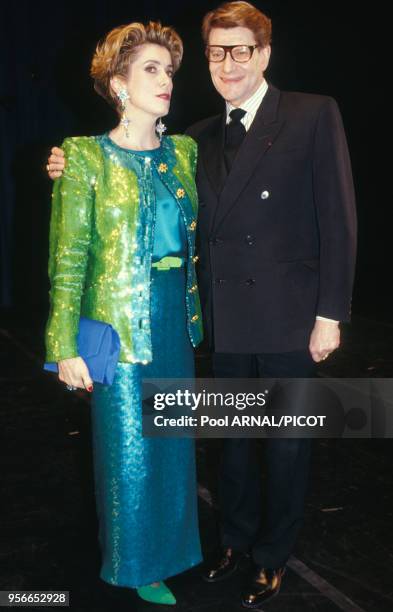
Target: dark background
{"x":46,"y":94}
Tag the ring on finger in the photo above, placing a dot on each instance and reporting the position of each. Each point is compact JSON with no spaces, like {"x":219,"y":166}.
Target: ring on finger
{"x":71,"y":388}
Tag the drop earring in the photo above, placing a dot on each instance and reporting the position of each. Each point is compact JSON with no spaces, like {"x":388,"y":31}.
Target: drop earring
{"x":125,"y":121}
{"x":160,"y":128}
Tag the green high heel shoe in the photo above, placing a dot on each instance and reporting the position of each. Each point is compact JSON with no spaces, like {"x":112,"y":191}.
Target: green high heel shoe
{"x":157,"y":594}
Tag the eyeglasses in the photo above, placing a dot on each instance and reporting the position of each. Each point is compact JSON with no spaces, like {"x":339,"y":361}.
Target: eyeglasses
{"x":239,"y":53}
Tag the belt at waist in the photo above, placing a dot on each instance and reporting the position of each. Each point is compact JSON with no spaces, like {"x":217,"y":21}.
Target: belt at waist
{"x":168,"y":262}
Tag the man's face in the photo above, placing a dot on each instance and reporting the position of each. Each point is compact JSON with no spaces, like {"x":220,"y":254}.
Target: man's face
{"x":234,"y":81}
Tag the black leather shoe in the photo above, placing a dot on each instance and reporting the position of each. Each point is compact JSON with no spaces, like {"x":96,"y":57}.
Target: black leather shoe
{"x":264,"y":585}
{"x":225,"y":566}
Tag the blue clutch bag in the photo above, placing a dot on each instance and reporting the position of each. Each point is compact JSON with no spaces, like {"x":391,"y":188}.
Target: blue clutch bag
{"x":99,"y":346}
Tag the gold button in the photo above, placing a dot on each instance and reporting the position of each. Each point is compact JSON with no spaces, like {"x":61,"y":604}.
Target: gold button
{"x":193,"y":289}
{"x":180,"y":193}
{"x":162,"y":167}
{"x":194,"y":318}
{"x":195,"y":258}
{"x":192,"y":225}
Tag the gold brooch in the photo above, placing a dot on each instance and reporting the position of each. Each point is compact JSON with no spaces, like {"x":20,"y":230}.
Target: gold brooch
{"x":162,"y":167}
{"x":180,"y":193}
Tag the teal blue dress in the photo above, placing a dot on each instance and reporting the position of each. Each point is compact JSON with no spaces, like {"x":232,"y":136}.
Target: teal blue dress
{"x":146,"y":487}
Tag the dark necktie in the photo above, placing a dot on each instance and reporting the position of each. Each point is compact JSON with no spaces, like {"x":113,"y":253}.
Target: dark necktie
{"x":234,"y":134}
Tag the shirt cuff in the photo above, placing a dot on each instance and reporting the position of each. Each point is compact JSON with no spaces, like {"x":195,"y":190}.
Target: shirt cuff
{"x":326,"y":319}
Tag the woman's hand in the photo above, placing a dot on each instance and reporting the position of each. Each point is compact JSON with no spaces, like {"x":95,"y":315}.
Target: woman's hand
{"x":74,"y":372}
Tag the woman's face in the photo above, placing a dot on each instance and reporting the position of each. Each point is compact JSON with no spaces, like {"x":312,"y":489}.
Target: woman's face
{"x":149,"y":81}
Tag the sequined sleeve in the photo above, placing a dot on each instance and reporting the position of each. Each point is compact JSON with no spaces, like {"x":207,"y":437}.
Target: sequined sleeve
{"x":193,"y":154}
{"x":69,"y":239}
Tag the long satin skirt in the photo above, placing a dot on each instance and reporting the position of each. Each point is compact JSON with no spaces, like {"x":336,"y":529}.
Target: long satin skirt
{"x":146,"y":487}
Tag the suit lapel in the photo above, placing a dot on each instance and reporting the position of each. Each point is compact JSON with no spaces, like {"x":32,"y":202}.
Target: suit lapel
{"x":259,"y":138}
{"x":211,"y":152}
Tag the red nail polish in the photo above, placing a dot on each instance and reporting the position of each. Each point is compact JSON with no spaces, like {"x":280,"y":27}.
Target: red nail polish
{"x":90,"y":388}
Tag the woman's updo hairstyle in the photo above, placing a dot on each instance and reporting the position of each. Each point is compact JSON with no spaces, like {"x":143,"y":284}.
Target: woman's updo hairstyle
{"x":116,"y":51}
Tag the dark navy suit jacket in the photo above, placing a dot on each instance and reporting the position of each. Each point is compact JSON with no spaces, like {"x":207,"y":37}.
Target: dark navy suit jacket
{"x":277,"y":235}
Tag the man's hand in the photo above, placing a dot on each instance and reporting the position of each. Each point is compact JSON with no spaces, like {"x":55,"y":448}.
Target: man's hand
{"x":325,"y":338}
{"x":56,"y":163}
{"x":74,"y":373}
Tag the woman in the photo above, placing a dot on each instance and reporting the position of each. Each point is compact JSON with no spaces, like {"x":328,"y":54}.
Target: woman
{"x":122,"y":251}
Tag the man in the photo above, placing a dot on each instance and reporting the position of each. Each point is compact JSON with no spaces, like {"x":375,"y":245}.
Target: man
{"x":277,"y":250}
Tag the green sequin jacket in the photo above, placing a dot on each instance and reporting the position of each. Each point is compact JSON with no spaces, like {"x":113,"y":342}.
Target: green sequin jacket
{"x":101,"y":241}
